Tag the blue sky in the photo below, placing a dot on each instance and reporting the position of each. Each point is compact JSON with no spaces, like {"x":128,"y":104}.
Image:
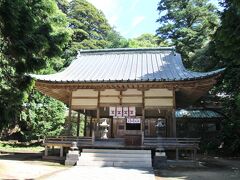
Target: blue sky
{"x":131,"y":17}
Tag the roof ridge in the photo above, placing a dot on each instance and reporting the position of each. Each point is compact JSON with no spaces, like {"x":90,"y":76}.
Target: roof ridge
{"x":121,"y":50}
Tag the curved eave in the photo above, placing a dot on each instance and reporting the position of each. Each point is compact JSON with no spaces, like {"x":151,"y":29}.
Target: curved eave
{"x":40,"y":78}
{"x":186,"y":91}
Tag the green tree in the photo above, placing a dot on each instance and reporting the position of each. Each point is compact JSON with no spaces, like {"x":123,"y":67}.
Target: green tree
{"x":42,"y":116}
{"x":146,"y":40}
{"x":227,"y":43}
{"x":33,"y":34}
{"x":115,"y":40}
{"x":90,"y":28}
{"x":187,"y":24}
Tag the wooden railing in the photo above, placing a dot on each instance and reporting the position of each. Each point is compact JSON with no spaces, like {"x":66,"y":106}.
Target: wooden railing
{"x":172,"y":142}
{"x":176,"y":144}
{"x":67,"y":140}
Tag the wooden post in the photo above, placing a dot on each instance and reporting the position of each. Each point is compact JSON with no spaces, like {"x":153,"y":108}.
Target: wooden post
{"x":68,"y":124}
{"x":85,"y":124}
{"x":91,"y":126}
{"x":143,"y":112}
{"x":61,"y":151}
{"x":78,"y":124}
{"x":169,"y":119}
{"x":111,"y":120}
{"x":174,"y":124}
{"x":46,"y":151}
{"x":98,"y":111}
{"x":177,"y":156}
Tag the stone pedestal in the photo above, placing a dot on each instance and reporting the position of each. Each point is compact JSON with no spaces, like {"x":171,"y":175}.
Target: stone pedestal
{"x":160,"y":160}
{"x":72,"y":158}
{"x":72,"y":155}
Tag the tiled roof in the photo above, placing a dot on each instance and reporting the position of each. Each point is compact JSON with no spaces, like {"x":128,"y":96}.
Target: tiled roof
{"x":123,"y":65}
{"x":198,"y":114}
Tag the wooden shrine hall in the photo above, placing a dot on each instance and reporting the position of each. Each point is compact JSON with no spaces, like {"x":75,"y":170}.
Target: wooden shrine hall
{"x":128,"y":93}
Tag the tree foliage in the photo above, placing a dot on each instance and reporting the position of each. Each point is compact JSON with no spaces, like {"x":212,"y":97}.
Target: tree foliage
{"x":115,"y":40}
{"x":146,"y":40}
{"x":33,"y":35}
{"x":42,"y":116}
{"x":227,"y":45}
{"x":187,"y":24}
{"x":89,"y":25}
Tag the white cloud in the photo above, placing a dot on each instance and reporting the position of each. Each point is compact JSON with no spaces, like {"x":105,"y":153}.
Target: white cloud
{"x":110,"y":8}
{"x":137,"y":20}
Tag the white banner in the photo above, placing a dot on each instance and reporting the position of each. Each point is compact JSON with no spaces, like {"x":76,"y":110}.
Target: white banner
{"x":112,"y":111}
{"x":125,"y":111}
{"x":122,"y":111}
{"x":133,"y":120}
{"x":132,"y":111}
{"x":119,"y":112}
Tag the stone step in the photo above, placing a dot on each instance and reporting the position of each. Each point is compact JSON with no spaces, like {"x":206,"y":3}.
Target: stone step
{"x":115,"y":164}
{"x":125,"y":159}
{"x":116,"y":155}
{"x":115,"y":158}
{"x":116,"y":151}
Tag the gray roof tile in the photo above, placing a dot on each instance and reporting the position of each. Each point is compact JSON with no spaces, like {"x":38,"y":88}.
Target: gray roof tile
{"x":199,"y":114}
{"x":152,"y":64}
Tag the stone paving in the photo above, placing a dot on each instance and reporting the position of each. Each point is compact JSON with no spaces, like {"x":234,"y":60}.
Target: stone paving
{"x":103,"y":173}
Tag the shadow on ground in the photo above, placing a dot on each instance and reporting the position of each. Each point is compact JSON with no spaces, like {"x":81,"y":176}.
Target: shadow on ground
{"x":209,"y":168}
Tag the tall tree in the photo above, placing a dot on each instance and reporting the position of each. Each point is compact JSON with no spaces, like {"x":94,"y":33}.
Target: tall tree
{"x":227,"y":45}
{"x":146,"y":40}
{"x":89,"y":25}
{"x":33,"y":33}
{"x":115,"y":40}
{"x":187,"y":24}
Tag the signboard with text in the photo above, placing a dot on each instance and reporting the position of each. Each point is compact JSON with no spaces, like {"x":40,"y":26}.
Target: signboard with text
{"x":133,"y":120}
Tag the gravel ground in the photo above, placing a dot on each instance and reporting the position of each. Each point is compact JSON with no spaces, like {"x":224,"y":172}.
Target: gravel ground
{"x":210,"y":169}
{"x":30,"y":166}
{"x":26,"y":166}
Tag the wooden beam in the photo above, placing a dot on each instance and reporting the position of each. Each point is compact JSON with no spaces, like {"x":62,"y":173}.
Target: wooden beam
{"x":84,"y":97}
{"x":159,"y":97}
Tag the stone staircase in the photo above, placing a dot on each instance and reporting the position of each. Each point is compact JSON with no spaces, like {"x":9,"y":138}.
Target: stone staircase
{"x":115,"y":158}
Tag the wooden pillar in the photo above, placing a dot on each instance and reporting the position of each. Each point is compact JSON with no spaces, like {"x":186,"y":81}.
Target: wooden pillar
{"x":46,"y":151}
{"x":169,"y":120}
{"x":61,"y":151}
{"x":174,"y":124}
{"x":91,"y":126}
{"x":111,"y":120}
{"x":177,"y":154}
{"x":98,"y":112}
{"x":85,"y":124}
{"x":143,"y":112}
{"x":78,"y":124}
{"x":68,"y":124}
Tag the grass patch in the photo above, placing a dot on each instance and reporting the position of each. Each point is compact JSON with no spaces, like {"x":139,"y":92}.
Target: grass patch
{"x":8,"y":147}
